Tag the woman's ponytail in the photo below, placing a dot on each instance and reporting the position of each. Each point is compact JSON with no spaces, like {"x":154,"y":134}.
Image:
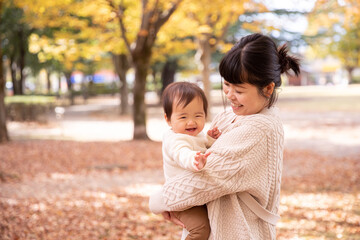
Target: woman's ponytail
{"x":288,"y":62}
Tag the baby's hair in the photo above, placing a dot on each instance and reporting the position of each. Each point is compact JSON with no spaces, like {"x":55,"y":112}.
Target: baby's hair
{"x":256,"y":60}
{"x":183,"y":93}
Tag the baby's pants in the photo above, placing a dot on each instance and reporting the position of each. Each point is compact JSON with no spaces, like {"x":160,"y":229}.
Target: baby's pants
{"x":196,"y":221}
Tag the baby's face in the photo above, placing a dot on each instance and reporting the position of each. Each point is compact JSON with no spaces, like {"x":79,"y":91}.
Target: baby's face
{"x":188,"y":120}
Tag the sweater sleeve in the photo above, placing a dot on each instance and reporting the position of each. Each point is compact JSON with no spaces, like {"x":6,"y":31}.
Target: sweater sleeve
{"x":156,"y":203}
{"x":209,"y":141}
{"x":181,"y":148}
{"x":231,"y":166}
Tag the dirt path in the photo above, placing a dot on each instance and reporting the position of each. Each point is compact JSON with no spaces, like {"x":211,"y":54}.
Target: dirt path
{"x":64,"y":185}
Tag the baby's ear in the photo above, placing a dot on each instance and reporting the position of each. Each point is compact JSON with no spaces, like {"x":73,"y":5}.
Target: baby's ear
{"x":166,"y":119}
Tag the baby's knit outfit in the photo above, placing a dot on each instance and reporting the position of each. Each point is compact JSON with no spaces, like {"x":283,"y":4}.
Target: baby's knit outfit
{"x":179,"y":151}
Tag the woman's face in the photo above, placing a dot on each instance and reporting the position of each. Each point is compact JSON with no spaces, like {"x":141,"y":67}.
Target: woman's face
{"x":244,"y":98}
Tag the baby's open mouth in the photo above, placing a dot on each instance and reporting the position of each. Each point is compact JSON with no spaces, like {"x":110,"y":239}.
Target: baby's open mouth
{"x":190,"y":129}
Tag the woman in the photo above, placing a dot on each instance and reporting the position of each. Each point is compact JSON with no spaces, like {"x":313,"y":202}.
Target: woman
{"x":247,"y":157}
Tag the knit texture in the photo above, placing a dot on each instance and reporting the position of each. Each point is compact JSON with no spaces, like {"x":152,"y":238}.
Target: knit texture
{"x":179,"y":151}
{"x":246,"y":157}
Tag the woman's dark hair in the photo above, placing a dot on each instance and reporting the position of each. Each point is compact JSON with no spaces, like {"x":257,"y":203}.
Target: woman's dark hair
{"x":256,"y":60}
{"x":183,"y":93}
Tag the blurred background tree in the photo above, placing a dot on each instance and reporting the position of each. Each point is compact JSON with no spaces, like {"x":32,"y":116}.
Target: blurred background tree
{"x":334,"y":29}
{"x":63,"y":37}
{"x":4,"y":136}
{"x":153,"y":15}
{"x":155,"y":39}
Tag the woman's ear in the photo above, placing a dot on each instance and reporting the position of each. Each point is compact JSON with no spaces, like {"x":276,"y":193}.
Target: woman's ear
{"x":269,"y":89}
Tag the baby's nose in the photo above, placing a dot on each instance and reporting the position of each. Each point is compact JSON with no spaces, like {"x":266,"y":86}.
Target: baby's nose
{"x":191,"y":122}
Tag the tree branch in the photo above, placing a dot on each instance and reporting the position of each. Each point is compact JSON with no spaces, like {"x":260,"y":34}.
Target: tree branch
{"x":226,"y":28}
{"x":151,"y":23}
{"x":123,"y":29}
{"x":120,"y":14}
{"x":166,"y":14}
{"x":144,"y":28}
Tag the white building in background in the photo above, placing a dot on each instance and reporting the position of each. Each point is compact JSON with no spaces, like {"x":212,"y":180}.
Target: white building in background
{"x":326,"y":71}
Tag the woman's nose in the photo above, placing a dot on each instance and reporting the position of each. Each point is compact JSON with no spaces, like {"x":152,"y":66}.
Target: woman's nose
{"x":229,"y":93}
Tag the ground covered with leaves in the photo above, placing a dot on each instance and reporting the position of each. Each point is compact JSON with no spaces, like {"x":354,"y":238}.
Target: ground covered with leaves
{"x":99,"y":190}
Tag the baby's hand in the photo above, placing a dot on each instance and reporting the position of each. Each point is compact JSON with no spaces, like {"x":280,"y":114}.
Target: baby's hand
{"x":214,"y":133}
{"x":200,"y":160}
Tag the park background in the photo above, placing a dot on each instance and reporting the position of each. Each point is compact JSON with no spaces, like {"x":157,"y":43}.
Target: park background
{"x":81,"y":121}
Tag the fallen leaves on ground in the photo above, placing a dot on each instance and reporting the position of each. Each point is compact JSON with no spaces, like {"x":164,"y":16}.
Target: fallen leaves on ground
{"x":20,"y":160}
{"x":89,"y":216}
{"x":320,"y":196}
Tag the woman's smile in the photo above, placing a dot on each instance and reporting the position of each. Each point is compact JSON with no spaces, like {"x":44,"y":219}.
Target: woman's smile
{"x":236,"y":106}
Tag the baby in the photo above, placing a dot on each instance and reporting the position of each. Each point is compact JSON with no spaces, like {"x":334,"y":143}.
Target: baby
{"x":184,"y":145}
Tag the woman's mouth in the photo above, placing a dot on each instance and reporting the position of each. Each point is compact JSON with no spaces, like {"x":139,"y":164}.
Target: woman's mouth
{"x":236,"y":106}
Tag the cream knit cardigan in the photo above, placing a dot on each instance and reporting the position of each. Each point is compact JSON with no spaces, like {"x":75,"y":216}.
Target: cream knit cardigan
{"x":246,"y":157}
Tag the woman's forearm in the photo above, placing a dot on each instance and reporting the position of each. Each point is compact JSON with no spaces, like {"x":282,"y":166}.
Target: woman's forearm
{"x":201,"y":187}
{"x":156,"y":203}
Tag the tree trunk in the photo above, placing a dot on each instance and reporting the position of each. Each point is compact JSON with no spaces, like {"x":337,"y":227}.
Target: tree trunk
{"x":139,"y":108}
{"x":48,"y":81}
{"x":350,"y":71}
{"x":4,"y":137}
{"x":122,"y":65}
{"x":13,"y":68}
{"x":22,"y":62}
{"x":204,"y":53}
{"x":59,"y":88}
{"x":70,"y":88}
{"x":84,"y":89}
{"x":168,"y":73}
{"x":156,"y":80}
{"x":154,"y":74}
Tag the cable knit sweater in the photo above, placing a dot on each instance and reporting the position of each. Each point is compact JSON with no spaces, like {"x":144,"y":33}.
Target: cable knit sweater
{"x":246,"y":157}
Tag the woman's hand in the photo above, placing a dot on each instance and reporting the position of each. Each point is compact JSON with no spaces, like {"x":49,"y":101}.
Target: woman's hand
{"x":171,"y":217}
